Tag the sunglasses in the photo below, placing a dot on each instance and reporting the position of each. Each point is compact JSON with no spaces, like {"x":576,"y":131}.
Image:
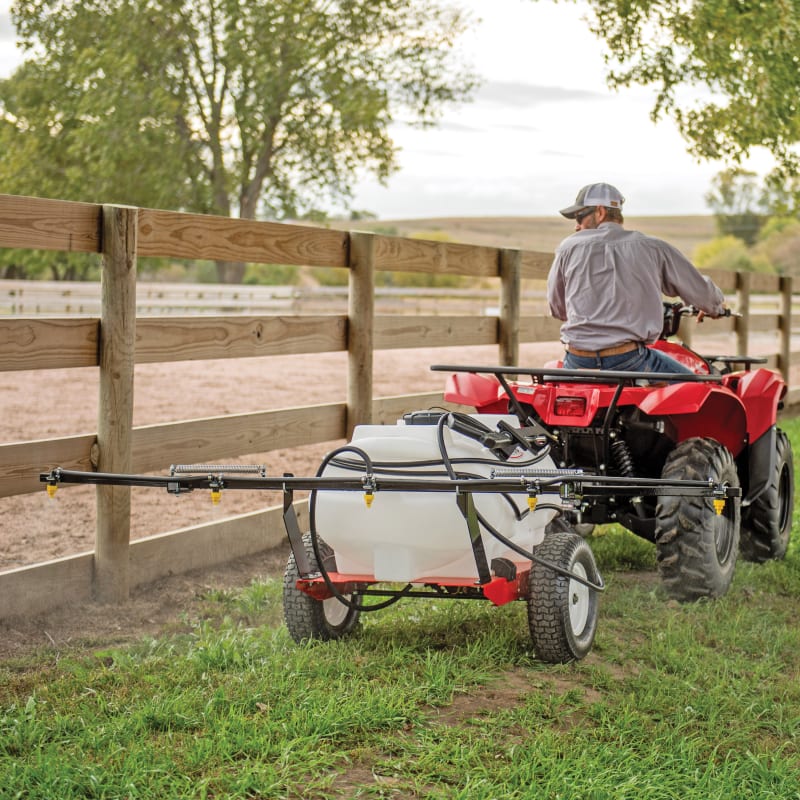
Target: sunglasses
{"x":581,"y":215}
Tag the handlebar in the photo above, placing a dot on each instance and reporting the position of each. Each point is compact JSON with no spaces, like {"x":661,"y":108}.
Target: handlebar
{"x":674,"y":311}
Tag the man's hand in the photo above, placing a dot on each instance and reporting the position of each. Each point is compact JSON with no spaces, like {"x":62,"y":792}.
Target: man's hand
{"x":726,"y":312}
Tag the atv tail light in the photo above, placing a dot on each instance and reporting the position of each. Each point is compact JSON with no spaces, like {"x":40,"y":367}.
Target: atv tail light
{"x":570,"y":406}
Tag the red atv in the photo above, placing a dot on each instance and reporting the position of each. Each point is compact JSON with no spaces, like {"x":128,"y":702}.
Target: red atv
{"x":718,"y":424}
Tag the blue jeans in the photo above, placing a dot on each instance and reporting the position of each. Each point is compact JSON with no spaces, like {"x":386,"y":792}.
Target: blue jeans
{"x":643,"y":359}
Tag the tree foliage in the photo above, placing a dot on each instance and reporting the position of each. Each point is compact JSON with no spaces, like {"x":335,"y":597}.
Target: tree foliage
{"x":742,"y":54}
{"x":230,"y":107}
{"x":735,"y":198}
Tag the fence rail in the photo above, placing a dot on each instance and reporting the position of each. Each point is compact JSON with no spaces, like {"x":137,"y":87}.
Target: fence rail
{"x":117,"y":335}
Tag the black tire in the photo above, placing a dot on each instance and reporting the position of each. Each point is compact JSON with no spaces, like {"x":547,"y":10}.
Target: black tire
{"x":307,"y":618}
{"x":767,"y":522}
{"x":696,"y":548}
{"x":562,"y":612}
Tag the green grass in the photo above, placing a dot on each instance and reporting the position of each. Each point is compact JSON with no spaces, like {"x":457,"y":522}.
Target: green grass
{"x":433,"y":699}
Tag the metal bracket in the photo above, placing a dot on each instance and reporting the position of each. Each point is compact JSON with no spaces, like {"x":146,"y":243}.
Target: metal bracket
{"x":295,"y":536}
{"x":466,"y":505}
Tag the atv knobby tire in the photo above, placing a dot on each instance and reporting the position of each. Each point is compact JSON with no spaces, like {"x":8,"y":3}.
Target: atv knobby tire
{"x":562,"y":612}
{"x":767,"y":522}
{"x":696,"y":548}
{"x":307,"y":618}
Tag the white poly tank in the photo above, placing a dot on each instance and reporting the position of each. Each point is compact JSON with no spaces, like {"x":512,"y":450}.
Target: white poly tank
{"x":416,"y":536}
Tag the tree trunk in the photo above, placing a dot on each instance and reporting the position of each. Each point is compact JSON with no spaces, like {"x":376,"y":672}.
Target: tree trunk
{"x":230,"y":271}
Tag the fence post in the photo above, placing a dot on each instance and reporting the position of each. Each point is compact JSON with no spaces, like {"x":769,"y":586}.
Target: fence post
{"x":117,"y":342}
{"x":743,"y":322}
{"x":360,"y":334}
{"x":510,"y":305}
{"x":785,"y":359}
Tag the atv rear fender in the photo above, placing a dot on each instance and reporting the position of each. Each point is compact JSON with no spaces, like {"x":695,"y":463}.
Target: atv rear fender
{"x":484,"y":394}
{"x":761,"y":464}
{"x":700,"y":409}
{"x":760,"y":390}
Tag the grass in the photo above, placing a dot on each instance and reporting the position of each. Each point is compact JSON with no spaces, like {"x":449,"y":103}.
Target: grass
{"x":433,"y":699}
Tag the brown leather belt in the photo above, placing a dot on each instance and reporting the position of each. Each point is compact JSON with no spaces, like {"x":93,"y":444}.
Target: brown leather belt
{"x":618,"y":350}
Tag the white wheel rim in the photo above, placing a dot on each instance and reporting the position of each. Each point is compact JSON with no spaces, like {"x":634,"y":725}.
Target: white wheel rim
{"x":335,"y":611}
{"x":579,"y":600}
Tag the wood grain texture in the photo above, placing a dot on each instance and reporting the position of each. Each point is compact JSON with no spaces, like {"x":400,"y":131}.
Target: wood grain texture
{"x":34,"y":223}
{"x":180,"y":235}
{"x":203,"y":440}
{"x":444,"y":258}
{"x":395,"y":332}
{"x":21,"y":463}
{"x":199,"y":338}
{"x":32,"y":343}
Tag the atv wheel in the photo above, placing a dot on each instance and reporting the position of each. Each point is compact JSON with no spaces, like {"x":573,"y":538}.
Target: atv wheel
{"x":562,"y":612}
{"x":767,"y":522}
{"x":696,"y":548}
{"x":307,"y":618}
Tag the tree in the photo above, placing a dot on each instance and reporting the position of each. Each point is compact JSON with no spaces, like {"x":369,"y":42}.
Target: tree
{"x":229,"y":107}
{"x":742,"y":52}
{"x":734,"y":199}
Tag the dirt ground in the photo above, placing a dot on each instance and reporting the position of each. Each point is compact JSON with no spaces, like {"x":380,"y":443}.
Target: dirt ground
{"x":45,"y":404}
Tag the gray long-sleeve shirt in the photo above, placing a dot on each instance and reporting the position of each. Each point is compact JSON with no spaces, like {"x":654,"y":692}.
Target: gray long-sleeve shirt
{"x":608,"y":284}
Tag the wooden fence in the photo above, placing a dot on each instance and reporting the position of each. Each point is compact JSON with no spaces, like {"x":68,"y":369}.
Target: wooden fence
{"x":118,"y":340}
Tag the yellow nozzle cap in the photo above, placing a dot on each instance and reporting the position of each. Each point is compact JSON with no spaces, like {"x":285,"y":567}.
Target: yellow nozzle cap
{"x":52,"y":488}
{"x":216,"y":496}
{"x":368,"y":498}
{"x":719,"y":504}
{"x":532,"y":500}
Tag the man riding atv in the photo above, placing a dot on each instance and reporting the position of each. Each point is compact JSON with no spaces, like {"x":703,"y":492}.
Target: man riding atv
{"x":607,"y":284}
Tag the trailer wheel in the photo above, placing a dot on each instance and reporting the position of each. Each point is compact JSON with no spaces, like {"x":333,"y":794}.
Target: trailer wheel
{"x":307,"y":618}
{"x":562,"y":612}
{"x":767,"y":522}
{"x":696,"y":548}
{"x":561,"y":523}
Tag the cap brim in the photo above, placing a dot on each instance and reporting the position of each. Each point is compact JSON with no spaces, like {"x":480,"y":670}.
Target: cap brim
{"x":571,"y":211}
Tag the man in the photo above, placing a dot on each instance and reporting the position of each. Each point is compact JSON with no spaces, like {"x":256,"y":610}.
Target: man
{"x":607,"y":284}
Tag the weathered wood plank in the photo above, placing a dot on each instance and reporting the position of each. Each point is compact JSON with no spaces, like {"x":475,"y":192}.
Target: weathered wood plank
{"x":764,"y":282}
{"x":32,"y":590}
{"x":394,"y":332}
{"x":180,"y":235}
{"x":204,"y":546}
{"x":155,"y":447}
{"x":29,"y":590}
{"x":21,"y":463}
{"x":28,"y":343}
{"x":387,"y":410}
{"x":535,"y":265}
{"x":724,"y":278}
{"x":115,"y":408}
{"x":419,"y":255}
{"x":35,"y":223}
{"x":764,"y":322}
{"x":199,"y":338}
{"x":510,"y":306}
{"x":539,"y":329}
{"x":360,"y":330}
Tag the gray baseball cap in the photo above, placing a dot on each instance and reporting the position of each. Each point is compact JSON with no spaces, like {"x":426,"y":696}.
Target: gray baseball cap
{"x":595,"y":194}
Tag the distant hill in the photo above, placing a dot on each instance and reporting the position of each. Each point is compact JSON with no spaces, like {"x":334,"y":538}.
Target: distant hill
{"x":537,"y":233}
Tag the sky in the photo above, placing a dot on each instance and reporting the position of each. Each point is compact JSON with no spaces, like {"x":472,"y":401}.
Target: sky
{"x":543,"y":124}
